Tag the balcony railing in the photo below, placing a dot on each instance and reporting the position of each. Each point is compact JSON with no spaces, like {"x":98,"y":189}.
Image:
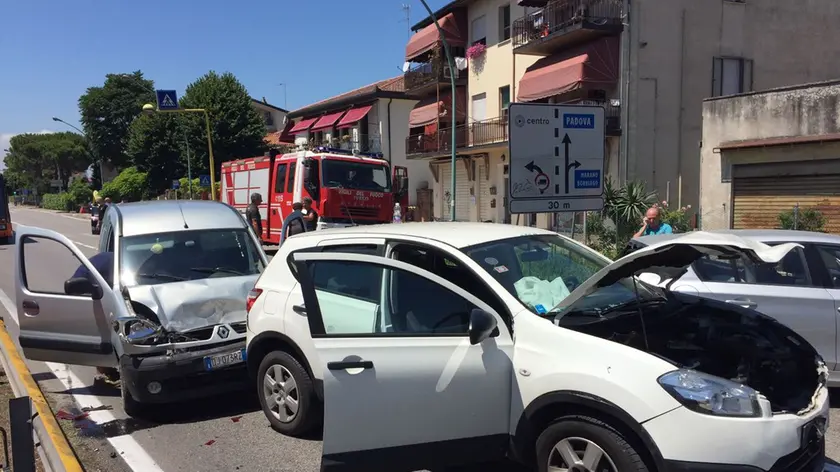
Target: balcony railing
{"x":477,"y":133}
{"x":565,"y":22}
{"x":430,"y":73}
{"x":612,"y":116}
{"x":363,"y":143}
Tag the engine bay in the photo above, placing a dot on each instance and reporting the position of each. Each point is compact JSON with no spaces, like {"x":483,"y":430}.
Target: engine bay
{"x":741,"y":346}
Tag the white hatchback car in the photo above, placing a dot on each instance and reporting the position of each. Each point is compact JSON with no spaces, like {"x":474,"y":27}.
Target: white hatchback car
{"x":438,"y":344}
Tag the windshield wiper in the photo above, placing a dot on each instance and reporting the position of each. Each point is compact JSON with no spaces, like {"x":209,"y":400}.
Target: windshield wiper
{"x":211,"y":270}
{"x":163,"y":277}
{"x":633,"y":304}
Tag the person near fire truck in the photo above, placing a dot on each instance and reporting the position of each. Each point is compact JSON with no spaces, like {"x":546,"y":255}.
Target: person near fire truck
{"x":252,"y":214}
{"x":310,"y":217}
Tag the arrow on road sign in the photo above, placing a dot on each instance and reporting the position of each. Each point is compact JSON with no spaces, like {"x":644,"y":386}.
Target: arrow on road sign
{"x":533,"y":167}
{"x":569,"y":166}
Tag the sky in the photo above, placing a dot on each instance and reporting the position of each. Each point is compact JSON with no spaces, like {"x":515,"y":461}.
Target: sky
{"x":53,"y":50}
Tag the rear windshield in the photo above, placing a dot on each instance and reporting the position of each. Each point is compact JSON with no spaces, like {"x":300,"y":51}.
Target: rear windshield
{"x":188,"y":255}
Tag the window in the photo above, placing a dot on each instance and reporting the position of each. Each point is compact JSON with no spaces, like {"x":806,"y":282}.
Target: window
{"x":352,"y":302}
{"x":504,"y":23}
{"x":731,"y":75}
{"x":479,"y":107}
{"x":478,"y":30}
{"x":188,"y":255}
{"x":280,"y":181}
{"x":504,"y":101}
{"x":830,"y":256}
{"x":790,"y":271}
{"x":269,"y":120}
{"x":290,"y":187}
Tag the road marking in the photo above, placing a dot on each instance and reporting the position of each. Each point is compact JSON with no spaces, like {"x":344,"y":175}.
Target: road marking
{"x":49,"y":212}
{"x":84,"y":245}
{"x":9,"y":305}
{"x":131,"y":451}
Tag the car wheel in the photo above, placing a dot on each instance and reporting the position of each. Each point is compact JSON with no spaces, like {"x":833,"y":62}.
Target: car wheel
{"x":584,"y":444}
{"x":287,"y":395}
{"x":132,"y":407}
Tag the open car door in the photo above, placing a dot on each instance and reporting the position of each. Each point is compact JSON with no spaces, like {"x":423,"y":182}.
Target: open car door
{"x":64,"y":304}
{"x":420,"y":365}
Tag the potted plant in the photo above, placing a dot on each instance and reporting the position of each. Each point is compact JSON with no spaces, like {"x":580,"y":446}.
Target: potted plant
{"x":476,"y":50}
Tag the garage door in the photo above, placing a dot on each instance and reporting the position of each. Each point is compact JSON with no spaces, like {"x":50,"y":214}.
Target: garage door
{"x":758,"y":201}
{"x":462,"y":191}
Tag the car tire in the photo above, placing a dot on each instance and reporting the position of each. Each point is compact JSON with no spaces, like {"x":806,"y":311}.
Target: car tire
{"x":132,"y":407}
{"x":583,"y":432}
{"x":309,"y":413}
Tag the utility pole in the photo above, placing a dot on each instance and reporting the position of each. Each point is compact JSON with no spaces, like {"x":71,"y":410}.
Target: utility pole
{"x":624,"y":93}
{"x":285,"y":106}
{"x":406,"y":8}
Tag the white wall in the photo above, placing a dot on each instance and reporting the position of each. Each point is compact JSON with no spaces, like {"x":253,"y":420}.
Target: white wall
{"x":393,"y":144}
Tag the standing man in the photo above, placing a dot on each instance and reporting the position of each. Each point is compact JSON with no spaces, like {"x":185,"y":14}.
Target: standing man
{"x":252,"y":214}
{"x":293,"y":223}
{"x":652,"y":224}
{"x":310,"y":218}
{"x":102,"y":208}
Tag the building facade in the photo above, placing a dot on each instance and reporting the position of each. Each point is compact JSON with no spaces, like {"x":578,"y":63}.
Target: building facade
{"x":765,"y":153}
{"x":275,"y":120}
{"x":370,"y":119}
{"x":664,"y":56}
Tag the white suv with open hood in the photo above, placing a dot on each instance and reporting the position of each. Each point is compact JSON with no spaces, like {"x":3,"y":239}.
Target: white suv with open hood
{"x":163,"y":301}
{"x":436,"y":344}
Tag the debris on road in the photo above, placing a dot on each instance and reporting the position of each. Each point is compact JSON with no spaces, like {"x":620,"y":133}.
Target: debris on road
{"x":236,"y":419}
{"x":210,"y":442}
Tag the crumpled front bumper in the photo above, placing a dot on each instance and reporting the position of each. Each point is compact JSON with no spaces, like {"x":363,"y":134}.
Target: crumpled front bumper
{"x":182,"y":375}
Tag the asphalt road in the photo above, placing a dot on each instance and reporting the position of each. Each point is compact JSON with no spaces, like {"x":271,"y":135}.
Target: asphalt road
{"x":222,"y":433}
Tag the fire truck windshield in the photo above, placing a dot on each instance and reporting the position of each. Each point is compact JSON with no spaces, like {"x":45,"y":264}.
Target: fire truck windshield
{"x":356,"y":175}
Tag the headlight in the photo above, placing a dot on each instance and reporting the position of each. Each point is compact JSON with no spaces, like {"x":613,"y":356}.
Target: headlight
{"x":711,"y":395}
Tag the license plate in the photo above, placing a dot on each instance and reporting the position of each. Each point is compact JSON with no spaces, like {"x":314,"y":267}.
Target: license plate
{"x":2,"y":226}
{"x":223,"y":360}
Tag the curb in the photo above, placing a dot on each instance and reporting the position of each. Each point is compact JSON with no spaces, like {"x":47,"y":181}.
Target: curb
{"x":53,"y":447}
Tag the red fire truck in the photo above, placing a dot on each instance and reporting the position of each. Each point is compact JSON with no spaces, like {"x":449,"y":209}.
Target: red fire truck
{"x":346,"y":189}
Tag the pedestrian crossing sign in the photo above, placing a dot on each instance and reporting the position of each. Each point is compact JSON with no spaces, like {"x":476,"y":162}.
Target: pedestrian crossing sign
{"x":166,"y":99}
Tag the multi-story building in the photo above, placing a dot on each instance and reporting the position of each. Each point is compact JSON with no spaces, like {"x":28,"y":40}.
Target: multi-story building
{"x":274,"y":118}
{"x":668,"y":55}
{"x":370,"y":119}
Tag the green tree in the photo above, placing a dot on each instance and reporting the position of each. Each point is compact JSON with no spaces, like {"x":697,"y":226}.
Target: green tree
{"x":155,"y":146}
{"x":129,"y":185}
{"x":34,"y":160}
{"x":237,"y":129}
{"x":107,"y":113}
{"x":68,"y":151}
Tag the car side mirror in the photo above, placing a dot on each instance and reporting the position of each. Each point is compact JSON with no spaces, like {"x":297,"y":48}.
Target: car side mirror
{"x":81,"y":286}
{"x":483,"y":325}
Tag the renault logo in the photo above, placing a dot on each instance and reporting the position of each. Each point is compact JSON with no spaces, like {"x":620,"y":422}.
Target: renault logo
{"x":223,"y":332}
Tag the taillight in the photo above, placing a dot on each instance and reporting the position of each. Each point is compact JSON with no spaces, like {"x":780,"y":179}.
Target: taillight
{"x":252,"y":298}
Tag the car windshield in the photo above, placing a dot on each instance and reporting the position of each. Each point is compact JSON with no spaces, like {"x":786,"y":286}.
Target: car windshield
{"x":356,"y":175}
{"x":542,"y":270}
{"x":188,"y":255}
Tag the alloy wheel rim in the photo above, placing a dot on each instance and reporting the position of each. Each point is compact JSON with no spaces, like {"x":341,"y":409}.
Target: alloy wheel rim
{"x":576,"y":454}
{"x":281,"y":393}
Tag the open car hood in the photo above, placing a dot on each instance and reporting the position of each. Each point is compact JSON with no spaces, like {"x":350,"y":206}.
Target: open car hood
{"x":679,"y":252}
{"x":194,"y":304}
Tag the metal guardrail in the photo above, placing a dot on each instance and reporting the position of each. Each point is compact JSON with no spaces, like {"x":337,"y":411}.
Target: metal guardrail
{"x":477,"y":133}
{"x":558,"y":15}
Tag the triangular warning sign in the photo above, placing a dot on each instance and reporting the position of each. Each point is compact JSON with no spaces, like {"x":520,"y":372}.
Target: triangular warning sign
{"x":167,"y":102}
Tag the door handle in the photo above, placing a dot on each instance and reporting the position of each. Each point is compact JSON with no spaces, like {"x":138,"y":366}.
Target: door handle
{"x":342,"y":365}
{"x":746,"y":303}
{"x":299,"y":309}
{"x":31,"y":308}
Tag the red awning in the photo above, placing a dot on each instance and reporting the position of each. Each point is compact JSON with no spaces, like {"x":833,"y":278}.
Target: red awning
{"x":592,"y":66}
{"x":428,"y":111}
{"x":327,"y":121}
{"x":303,"y":125}
{"x":353,"y":116}
{"x":454,"y":28}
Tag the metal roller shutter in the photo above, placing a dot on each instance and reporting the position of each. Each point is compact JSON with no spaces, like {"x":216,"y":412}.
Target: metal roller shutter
{"x":462,"y":191}
{"x":757,"y":201}
{"x":445,"y":175}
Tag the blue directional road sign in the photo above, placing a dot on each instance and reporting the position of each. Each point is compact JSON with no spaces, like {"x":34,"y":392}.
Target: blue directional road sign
{"x":167,"y":99}
{"x":176,"y":185}
{"x":203,"y":180}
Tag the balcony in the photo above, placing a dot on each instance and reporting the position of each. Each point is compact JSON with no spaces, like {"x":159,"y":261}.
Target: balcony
{"x":565,"y":23}
{"x":425,"y":77}
{"x":363,"y":143}
{"x":469,"y":136}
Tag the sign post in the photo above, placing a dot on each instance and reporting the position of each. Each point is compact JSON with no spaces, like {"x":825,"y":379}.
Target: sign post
{"x":556,"y":158}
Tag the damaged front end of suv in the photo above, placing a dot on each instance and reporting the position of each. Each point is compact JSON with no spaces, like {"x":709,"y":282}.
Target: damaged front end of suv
{"x":728,"y":359}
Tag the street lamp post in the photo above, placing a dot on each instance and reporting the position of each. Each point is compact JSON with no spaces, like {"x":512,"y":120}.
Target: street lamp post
{"x":150,"y":109}
{"x":452,"y":110}
{"x":90,"y":149}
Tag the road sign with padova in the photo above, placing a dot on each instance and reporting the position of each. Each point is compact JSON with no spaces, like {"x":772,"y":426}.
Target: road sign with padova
{"x":166,"y":99}
{"x":556,"y":158}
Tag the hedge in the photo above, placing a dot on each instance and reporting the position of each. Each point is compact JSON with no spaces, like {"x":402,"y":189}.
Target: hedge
{"x":58,"y":201}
